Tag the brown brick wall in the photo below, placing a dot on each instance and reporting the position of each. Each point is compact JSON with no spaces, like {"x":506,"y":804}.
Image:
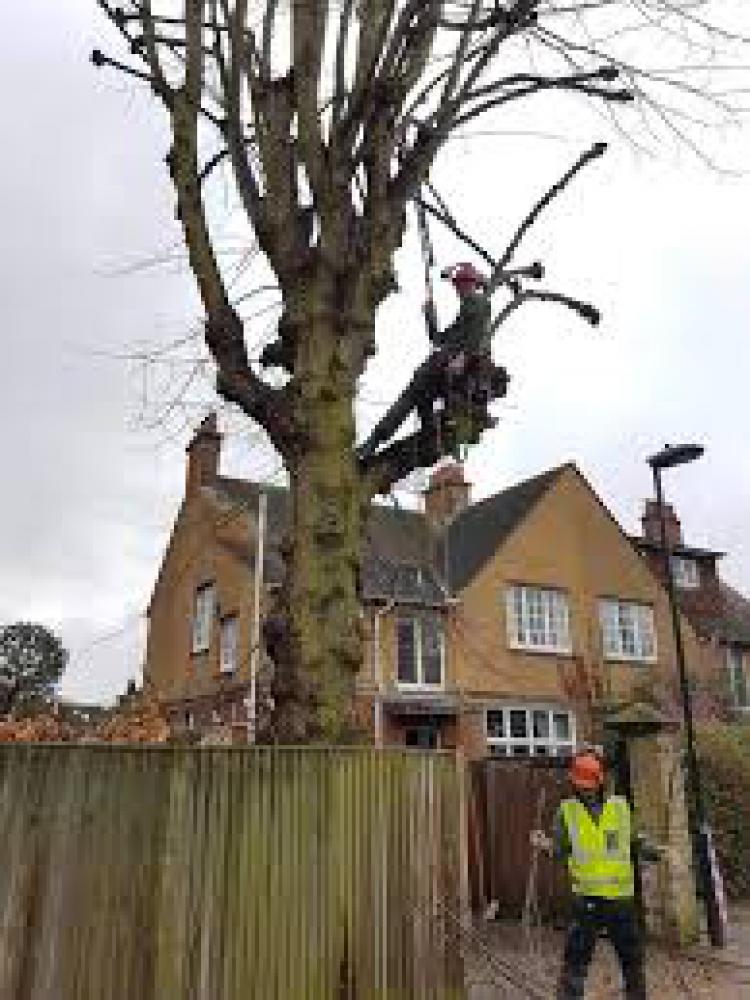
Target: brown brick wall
{"x":567,"y":541}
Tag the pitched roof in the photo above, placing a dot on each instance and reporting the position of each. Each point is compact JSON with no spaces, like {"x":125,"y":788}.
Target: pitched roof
{"x":403,"y":559}
{"x":398,"y":557}
{"x":478,"y":531}
{"x":677,"y":550}
{"x":734,"y":625}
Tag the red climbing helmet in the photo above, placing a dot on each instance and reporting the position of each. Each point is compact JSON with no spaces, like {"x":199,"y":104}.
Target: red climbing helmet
{"x":464,"y":276}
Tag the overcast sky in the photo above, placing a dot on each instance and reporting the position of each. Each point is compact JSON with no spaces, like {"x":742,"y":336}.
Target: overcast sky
{"x":90,"y":488}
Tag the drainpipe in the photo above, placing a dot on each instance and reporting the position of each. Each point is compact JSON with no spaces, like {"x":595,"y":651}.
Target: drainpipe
{"x":256,"y":646}
{"x":378,"y":671}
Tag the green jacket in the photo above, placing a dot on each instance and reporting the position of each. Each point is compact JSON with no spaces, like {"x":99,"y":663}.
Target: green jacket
{"x":470,"y":330}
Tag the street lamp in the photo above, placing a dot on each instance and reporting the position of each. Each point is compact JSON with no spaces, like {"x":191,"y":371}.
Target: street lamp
{"x":667,"y":458}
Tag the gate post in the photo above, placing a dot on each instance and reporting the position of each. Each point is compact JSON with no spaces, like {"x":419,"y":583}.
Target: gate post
{"x":669,"y":898}
{"x":668,"y":890}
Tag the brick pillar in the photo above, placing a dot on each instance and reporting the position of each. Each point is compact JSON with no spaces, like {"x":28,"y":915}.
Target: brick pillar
{"x":661,"y":814}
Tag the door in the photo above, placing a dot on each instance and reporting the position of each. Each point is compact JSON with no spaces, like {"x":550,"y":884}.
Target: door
{"x":423,"y":735}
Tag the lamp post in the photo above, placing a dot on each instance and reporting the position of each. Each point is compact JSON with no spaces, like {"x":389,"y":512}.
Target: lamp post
{"x":667,"y":458}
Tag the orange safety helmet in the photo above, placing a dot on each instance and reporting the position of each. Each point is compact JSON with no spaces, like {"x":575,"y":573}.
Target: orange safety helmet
{"x":587,"y":771}
{"x":464,"y":276}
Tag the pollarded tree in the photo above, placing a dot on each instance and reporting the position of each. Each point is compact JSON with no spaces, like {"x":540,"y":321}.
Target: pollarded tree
{"x":329,"y":117}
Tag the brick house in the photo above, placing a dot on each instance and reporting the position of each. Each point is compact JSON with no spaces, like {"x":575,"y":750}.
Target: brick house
{"x":719,"y":614}
{"x":501,"y":626}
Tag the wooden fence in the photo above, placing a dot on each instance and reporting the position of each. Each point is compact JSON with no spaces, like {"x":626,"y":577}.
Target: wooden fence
{"x":510,"y":799}
{"x":214,"y":874}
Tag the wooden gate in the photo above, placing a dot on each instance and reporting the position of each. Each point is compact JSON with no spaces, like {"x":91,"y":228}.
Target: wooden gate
{"x":509,"y":799}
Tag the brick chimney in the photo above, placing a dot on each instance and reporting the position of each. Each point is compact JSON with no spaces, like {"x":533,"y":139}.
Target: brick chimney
{"x":447,"y":495}
{"x":651,"y":528}
{"x":203,"y":455}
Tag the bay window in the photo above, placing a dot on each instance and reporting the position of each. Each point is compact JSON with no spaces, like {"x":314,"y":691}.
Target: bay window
{"x":420,"y":650}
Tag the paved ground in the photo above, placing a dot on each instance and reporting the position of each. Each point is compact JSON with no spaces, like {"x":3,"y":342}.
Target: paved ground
{"x":508,"y":964}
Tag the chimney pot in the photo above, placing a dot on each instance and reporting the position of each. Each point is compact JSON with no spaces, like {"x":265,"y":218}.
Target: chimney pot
{"x":447,"y":495}
{"x":651,"y":526}
{"x":203,"y":455}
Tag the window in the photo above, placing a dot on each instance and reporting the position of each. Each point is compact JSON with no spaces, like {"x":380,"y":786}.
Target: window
{"x":737,"y":678}
{"x":529,"y":732}
{"x":538,"y":619}
{"x":203,"y":614}
{"x":229,"y":644}
{"x":627,"y":630}
{"x":420,"y":650}
{"x":407,"y":581}
{"x":685,"y":572}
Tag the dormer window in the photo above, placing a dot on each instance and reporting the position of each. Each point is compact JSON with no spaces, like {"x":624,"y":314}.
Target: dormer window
{"x":686,"y":573}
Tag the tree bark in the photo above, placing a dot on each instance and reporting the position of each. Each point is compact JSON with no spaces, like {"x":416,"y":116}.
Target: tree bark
{"x":317,"y":648}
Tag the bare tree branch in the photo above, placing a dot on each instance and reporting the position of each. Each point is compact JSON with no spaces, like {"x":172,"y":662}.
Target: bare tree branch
{"x":268,"y":20}
{"x":582,"y":309}
{"x":339,"y":93}
{"x":597,"y":150}
{"x":308,"y":39}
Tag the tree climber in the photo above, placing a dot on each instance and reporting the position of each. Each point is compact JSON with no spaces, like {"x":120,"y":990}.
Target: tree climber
{"x":463,"y":375}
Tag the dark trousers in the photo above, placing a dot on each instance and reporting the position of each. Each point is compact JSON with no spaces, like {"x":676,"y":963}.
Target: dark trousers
{"x":592,"y":918}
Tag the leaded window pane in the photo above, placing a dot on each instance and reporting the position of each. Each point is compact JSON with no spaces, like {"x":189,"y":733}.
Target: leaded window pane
{"x":496,"y":723}
{"x":540,"y":721}
{"x":518,"y":723}
{"x":561,"y":726}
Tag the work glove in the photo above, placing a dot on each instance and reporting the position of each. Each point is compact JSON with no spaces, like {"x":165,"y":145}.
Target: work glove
{"x":540,"y":840}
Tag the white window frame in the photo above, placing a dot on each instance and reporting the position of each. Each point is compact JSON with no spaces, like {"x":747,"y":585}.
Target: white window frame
{"x":736,"y":651}
{"x":416,"y":620}
{"x":229,"y":654}
{"x":530,"y":745}
{"x":686,"y":573}
{"x":204,"y":606}
{"x":545,"y":604}
{"x":645,"y":613}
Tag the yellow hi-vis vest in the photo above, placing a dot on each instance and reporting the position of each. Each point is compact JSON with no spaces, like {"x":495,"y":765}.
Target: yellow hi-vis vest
{"x":599,"y":861}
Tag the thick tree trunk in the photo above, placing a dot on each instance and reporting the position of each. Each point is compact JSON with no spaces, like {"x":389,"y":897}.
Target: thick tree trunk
{"x":318,"y":651}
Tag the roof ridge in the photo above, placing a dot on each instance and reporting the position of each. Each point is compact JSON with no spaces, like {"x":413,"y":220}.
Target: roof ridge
{"x":538,"y":477}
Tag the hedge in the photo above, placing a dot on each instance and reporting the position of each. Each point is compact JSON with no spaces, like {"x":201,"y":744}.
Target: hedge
{"x":724,"y":753}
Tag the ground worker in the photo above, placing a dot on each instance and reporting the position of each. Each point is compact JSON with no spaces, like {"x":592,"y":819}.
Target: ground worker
{"x":594,"y":834}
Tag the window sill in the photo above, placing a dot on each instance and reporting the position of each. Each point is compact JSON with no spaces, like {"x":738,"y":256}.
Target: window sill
{"x":410,"y":686}
{"x":200,"y":652}
{"x":541,"y":650}
{"x":631,"y":661}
